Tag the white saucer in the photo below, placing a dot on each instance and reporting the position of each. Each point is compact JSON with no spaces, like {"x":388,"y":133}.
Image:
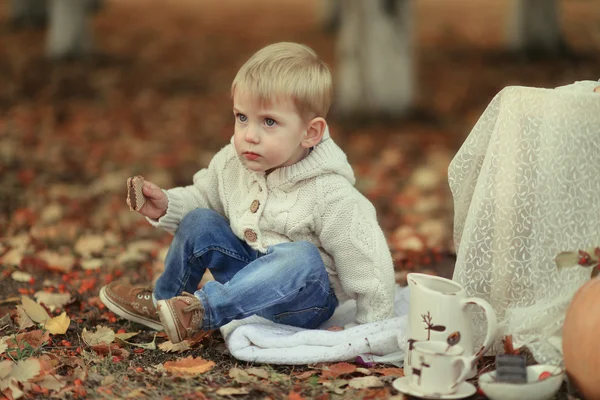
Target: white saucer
{"x":402,"y":385}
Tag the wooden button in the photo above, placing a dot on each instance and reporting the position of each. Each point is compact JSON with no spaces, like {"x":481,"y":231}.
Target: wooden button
{"x":254,"y":206}
{"x":250,"y":235}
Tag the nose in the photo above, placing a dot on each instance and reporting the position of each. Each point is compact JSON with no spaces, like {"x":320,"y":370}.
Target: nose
{"x":251,"y":135}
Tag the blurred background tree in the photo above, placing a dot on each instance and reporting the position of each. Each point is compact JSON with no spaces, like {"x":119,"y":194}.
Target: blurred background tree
{"x":535,"y":27}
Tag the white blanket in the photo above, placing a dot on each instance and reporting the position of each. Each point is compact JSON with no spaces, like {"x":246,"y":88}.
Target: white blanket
{"x":256,"y":339}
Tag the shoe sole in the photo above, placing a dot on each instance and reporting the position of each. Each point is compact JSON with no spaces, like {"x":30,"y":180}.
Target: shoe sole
{"x":116,"y":308}
{"x":166,"y":313}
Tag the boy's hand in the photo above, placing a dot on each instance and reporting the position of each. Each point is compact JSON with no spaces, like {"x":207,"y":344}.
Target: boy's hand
{"x":156,"y":201}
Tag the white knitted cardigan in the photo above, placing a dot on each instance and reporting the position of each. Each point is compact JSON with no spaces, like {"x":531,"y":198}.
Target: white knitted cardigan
{"x":313,"y":200}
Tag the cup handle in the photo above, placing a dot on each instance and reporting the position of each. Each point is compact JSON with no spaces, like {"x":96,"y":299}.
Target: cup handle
{"x":466,"y":363}
{"x":492,"y":324}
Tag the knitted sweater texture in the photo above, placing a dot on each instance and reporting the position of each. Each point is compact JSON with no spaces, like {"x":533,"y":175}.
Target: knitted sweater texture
{"x":313,"y":200}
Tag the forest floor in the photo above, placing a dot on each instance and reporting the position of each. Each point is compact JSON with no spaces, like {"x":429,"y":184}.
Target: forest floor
{"x":154,"y":100}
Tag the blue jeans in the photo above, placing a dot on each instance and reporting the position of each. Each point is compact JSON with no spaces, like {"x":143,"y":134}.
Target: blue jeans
{"x":288,"y":284}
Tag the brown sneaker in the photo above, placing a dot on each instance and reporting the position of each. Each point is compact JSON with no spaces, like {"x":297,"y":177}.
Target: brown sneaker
{"x":133,"y":303}
{"x":181,"y":316}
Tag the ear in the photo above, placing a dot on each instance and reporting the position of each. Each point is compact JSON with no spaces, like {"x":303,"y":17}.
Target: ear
{"x":314,"y":132}
{"x":597,"y":89}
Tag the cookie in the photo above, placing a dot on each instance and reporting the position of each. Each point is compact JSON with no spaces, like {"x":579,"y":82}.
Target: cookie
{"x":135,"y":196}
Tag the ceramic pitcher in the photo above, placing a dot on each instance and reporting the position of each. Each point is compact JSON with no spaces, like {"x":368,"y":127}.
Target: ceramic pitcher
{"x":438,"y":311}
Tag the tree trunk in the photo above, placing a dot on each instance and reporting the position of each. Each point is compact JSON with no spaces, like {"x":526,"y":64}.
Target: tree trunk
{"x":28,"y":12}
{"x":374,"y":74}
{"x":535,"y":27}
{"x":69,"y":33}
{"x":330,"y":14}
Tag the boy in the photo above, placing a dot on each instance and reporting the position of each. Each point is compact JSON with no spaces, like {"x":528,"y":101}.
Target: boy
{"x":275,"y":217}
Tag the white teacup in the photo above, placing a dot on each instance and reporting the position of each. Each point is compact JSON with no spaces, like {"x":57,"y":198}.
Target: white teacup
{"x":438,"y":368}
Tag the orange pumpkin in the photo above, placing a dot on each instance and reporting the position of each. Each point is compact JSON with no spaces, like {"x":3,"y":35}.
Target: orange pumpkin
{"x":581,"y":349}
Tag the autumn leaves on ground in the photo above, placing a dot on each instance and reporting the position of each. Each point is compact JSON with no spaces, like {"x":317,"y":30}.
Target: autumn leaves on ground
{"x":154,"y":102}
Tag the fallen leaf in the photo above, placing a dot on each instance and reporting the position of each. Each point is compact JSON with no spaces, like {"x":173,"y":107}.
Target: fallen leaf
{"x":169,"y":347}
{"x":335,"y":370}
{"x":262,"y":373}
{"x":136,"y":393}
{"x":3,"y":344}
{"x":143,"y":246}
{"x":241,"y":376}
{"x":131,"y":257}
{"x":58,"y":325}
{"x":103,"y":335}
{"x":21,"y":276}
{"x":34,"y":339}
{"x":36,"y":312}
{"x":23,"y":319}
{"x":189,"y":366}
{"x":305,"y":375}
{"x":13,"y":257}
{"x":25,"y":369}
{"x":399,"y":372}
{"x":364,"y":382}
{"x":126,"y":335}
{"x":231,"y":391}
{"x":52,"y":300}
{"x":51,"y":213}
{"x":336,"y":385}
{"x":90,"y":244}
{"x":92,"y":263}
{"x":56,"y":261}
{"x":148,"y":346}
{"x":295,"y":396}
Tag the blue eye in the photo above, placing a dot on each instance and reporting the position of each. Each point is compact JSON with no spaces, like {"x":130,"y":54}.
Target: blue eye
{"x":242,"y":118}
{"x":270,"y":122}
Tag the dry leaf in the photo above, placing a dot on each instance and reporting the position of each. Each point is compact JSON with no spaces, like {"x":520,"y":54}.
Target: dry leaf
{"x":189,"y":366}
{"x":364,"y":382}
{"x":336,"y":385}
{"x":13,"y":257}
{"x":56,"y":261}
{"x":52,"y":300}
{"x":36,"y":312}
{"x":231,"y":391}
{"x":169,"y":347}
{"x":90,"y":244}
{"x":23,"y":319}
{"x":21,"y":276}
{"x":51,"y":213}
{"x":262,"y":373}
{"x":92,"y":263}
{"x":143,"y":246}
{"x":148,"y":346}
{"x":304,"y":375}
{"x":3,"y":344}
{"x":130,"y":257}
{"x":25,"y":369}
{"x":103,"y":335}
{"x":241,"y":376}
{"x":335,"y":370}
{"x":399,"y":372}
{"x":126,"y":335}
{"x":58,"y":325}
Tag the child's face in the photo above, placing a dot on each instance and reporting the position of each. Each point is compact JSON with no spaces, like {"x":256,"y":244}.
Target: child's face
{"x":268,"y":135}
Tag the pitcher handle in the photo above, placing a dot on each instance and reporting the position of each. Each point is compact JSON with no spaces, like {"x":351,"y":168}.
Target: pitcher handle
{"x":492,"y":324}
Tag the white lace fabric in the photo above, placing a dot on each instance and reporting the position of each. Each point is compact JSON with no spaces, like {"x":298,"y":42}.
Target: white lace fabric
{"x":526,"y":186}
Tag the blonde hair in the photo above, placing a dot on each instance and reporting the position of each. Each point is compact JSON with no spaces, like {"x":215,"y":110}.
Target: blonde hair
{"x":287,"y":70}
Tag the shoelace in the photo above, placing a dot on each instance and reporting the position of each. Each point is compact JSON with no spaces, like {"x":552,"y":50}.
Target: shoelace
{"x":196,"y":305}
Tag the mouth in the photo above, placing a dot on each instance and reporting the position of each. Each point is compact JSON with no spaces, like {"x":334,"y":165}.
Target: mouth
{"x":250,"y":155}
